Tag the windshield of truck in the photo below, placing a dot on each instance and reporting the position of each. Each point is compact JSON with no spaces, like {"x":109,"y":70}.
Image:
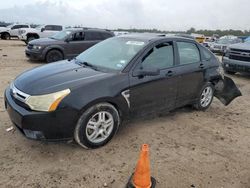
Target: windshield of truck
{"x":39,"y":27}
{"x":10,"y":26}
{"x":225,"y":41}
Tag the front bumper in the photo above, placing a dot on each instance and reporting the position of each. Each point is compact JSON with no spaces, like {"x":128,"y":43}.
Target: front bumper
{"x":22,"y":37}
{"x":50,"y":126}
{"x":235,"y":65}
{"x":34,"y":55}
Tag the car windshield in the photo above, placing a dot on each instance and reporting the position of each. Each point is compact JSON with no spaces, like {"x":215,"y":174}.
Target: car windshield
{"x":61,"y":35}
{"x":247,"y":40}
{"x":9,"y":26}
{"x":112,"y":54}
{"x":39,"y":27}
{"x":225,"y":41}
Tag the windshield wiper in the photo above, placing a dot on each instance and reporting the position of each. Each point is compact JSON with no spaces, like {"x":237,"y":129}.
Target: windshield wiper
{"x":86,"y":64}
{"x":89,"y":65}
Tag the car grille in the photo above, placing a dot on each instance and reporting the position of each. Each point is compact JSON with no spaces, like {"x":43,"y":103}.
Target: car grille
{"x":239,"y":50}
{"x":19,"y":96}
{"x":240,"y":55}
{"x":217,"y":47}
{"x":30,"y":46}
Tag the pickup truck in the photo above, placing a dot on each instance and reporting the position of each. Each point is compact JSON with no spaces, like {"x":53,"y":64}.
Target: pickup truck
{"x":237,"y":58}
{"x":42,"y":31}
{"x":12,"y":30}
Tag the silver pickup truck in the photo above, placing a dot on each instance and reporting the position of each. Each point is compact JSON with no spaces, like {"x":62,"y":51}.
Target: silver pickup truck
{"x":237,"y":58}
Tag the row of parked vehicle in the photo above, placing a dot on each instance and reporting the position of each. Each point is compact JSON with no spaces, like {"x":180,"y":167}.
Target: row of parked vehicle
{"x":26,"y":33}
{"x":52,"y":43}
{"x":235,"y":53}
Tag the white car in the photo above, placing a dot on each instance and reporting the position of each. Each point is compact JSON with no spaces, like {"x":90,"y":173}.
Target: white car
{"x":12,"y":30}
{"x":42,"y":31}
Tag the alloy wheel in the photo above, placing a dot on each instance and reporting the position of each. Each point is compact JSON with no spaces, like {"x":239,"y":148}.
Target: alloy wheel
{"x":99,"y":127}
{"x":206,"y":97}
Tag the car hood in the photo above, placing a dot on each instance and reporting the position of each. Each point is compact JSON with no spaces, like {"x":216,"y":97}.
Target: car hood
{"x":44,"y":41}
{"x":241,"y":46}
{"x":4,"y":29}
{"x":56,"y":77}
{"x":218,"y":44}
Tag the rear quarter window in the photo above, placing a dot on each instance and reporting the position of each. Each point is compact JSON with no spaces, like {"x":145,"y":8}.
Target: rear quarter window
{"x":53,"y":27}
{"x":206,"y":54}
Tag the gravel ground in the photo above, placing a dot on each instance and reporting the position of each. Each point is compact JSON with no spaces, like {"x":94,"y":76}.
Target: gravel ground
{"x":187,"y":148}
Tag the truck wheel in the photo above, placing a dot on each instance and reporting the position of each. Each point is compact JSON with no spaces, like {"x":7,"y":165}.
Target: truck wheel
{"x":97,"y":126}
{"x":53,"y":56}
{"x":6,"y":36}
{"x":29,"y":39}
{"x":205,"y":97}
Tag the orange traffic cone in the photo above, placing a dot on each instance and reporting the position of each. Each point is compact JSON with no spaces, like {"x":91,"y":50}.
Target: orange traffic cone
{"x":141,"y":178}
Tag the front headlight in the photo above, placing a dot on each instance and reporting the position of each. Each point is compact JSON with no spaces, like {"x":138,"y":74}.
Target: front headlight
{"x":36,"y":47}
{"x":227,"y":52}
{"x":48,"y":102}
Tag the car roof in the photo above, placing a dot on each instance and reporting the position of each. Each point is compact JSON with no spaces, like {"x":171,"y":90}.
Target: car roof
{"x":87,"y":29}
{"x":148,"y":37}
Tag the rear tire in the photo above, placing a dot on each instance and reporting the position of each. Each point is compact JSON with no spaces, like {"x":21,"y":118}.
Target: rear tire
{"x":97,"y":126}
{"x":53,"y":56}
{"x":205,"y":97}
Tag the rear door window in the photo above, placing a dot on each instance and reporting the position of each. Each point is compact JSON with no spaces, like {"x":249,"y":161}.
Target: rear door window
{"x":53,"y":28}
{"x":91,"y":36}
{"x":25,"y":26}
{"x":188,"y":53}
{"x":57,"y":28}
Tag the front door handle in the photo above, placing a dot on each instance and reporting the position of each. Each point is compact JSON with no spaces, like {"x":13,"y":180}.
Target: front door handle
{"x":170,"y":73}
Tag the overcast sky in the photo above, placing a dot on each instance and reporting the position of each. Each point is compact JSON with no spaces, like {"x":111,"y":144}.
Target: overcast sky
{"x":112,"y":14}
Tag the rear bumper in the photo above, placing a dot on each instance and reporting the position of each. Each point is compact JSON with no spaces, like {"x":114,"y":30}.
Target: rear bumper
{"x":49,"y":126}
{"x":33,"y":55}
{"x":235,"y":65}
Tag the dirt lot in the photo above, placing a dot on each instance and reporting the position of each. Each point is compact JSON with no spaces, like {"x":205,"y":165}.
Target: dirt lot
{"x":188,"y":148}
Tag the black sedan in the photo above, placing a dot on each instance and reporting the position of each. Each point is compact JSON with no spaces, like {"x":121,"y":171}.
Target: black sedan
{"x":122,"y":77}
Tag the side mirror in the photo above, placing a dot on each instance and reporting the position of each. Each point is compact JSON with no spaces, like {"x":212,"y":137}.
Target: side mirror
{"x":147,"y":72}
{"x":43,"y":29}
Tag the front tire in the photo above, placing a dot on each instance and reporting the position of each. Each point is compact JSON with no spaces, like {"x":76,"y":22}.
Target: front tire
{"x":53,"y":56}
{"x":205,"y":97}
{"x":97,"y":126}
{"x":5,"y":36}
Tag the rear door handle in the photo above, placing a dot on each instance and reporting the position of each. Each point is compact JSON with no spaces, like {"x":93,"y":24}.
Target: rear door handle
{"x":170,"y":73}
{"x":202,"y":66}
